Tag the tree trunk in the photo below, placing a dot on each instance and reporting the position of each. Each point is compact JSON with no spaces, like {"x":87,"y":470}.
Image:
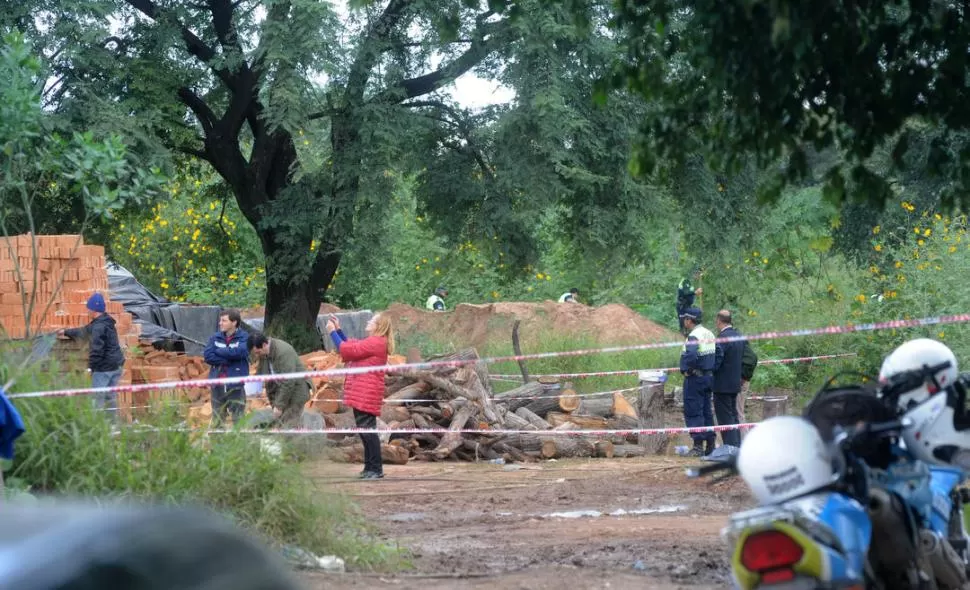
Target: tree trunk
{"x":517,"y":349}
{"x":650,"y":409}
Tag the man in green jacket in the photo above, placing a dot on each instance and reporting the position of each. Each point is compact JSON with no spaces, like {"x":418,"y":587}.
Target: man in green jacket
{"x":287,"y":397}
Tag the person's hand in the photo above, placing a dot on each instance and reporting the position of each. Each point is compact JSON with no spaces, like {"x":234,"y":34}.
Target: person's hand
{"x":698,"y":291}
{"x":331,"y":327}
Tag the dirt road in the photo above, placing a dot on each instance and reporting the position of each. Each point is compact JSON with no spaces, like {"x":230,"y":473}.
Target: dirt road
{"x":630,"y":523}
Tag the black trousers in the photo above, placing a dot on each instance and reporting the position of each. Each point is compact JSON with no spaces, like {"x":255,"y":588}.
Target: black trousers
{"x":372,"y":442}
{"x":726,"y":411}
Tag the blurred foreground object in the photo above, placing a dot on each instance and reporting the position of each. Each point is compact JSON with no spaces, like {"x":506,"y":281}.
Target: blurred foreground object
{"x":77,"y":546}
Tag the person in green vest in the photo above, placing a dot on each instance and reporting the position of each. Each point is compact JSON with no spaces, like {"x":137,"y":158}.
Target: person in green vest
{"x":697,"y":365}
{"x":685,"y":295}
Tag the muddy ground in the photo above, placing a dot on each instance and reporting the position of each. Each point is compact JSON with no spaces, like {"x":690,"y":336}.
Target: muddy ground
{"x":493,"y":526}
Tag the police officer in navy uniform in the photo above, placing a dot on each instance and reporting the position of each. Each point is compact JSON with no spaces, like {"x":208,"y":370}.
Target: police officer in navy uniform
{"x":697,"y":366}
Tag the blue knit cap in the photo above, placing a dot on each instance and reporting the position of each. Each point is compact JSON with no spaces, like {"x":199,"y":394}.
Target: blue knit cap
{"x":96,"y":303}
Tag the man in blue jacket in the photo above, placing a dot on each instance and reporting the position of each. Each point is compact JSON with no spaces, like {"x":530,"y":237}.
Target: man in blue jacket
{"x":228,"y":354}
{"x":697,"y":366}
{"x":727,"y":377}
{"x":105,"y":358}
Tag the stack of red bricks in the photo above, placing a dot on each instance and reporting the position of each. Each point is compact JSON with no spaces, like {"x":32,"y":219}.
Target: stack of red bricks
{"x":33,"y":266}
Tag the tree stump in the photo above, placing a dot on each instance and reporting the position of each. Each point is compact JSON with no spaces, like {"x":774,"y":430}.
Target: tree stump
{"x":566,"y":446}
{"x":774,"y":406}
{"x":650,"y":409}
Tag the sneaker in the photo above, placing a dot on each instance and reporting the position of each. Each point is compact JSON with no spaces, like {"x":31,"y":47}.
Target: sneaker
{"x":371,"y":475}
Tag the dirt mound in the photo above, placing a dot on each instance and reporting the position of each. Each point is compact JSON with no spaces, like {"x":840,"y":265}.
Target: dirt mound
{"x":474,"y":325}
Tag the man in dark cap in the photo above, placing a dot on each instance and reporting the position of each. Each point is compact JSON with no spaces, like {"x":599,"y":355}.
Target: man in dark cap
{"x":105,"y":359}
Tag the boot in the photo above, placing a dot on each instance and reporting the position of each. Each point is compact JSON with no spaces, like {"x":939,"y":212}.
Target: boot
{"x":697,"y":451}
{"x":708,"y":447}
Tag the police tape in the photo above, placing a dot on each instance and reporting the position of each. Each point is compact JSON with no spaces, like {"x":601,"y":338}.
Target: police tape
{"x":426,"y":365}
{"x":793,"y":360}
{"x":498,"y":431}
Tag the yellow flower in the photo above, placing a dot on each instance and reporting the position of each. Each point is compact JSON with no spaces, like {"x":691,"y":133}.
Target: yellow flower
{"x":927,"y":232}
{"x":213,"y":279}
{"x":920,"y":242}
{"x":899,"y":264}
{"x":752,"y":313}
{"x":417,"y":267}
{"x":162,"y":223}
{"x":937,"y":217}
{"x":951,"y":249}
{"x":175,"y":238}
{"x":861,"y":298}
{"x":495,"y":294}
{"x":540,"y":276}
{"x":755,"y":254}
{"x":233,"y":277}
{"x":424,"y":261}
{"x":878,"y":247}
{"x":874,"y":269}
{"x":941,"y":335}
{"x":917,"y":230}
{"x":876,"y":230}
{"x":764,"y":260}
{"x":437,"y":272}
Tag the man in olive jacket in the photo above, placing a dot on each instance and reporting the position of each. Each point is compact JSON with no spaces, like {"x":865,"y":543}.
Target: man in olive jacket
{"x":287,"y":397}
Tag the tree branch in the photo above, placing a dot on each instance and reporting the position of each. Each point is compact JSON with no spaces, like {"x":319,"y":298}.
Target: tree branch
{"x":193,"y":44}
{"x":371,"y":47}
{"x":421,"y":85}
{"x":198,"y":107}
{"x":222,"y":11}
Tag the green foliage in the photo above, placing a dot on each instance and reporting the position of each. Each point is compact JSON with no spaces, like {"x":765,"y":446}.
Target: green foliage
{"x":771,"y":79}
{"x":196,"y":246}
{"x":69,"y":448}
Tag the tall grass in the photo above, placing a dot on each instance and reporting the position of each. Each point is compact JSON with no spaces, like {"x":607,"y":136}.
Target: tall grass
{"x":69,"y":449}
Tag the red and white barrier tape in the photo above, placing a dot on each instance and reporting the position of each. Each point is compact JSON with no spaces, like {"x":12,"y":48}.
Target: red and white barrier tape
{"x":829,"y":330}
{"x":801,"y":359}
{"x":645,"y":431}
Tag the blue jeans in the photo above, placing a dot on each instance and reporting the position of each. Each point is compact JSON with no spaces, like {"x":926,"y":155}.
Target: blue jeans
{"x":106,"y":400}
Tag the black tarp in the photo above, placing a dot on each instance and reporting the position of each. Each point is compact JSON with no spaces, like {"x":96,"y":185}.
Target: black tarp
{"x":351,"y":322}
{"x":159,"y":318}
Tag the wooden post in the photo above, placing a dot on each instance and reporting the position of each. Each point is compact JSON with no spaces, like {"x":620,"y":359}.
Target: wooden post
{"x":650,"y":411}
{"x":774,"y":406}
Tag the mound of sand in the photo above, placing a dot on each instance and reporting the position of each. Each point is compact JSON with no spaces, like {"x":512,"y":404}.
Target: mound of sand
{"x":474,"y":325}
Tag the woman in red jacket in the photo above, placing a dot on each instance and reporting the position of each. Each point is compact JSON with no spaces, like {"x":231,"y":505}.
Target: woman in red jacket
{"x":364,"y":392}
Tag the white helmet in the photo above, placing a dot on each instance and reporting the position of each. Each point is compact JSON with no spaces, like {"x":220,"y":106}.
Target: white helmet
{"x":933,"y":436}
{"x":784,"y":457}
{"x":916,"y":354}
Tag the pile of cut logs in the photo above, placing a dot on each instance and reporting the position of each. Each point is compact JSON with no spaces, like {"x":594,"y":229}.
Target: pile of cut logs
{"x":461,"y":399}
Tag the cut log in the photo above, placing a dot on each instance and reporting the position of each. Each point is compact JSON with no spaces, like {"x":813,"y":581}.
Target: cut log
{"x":512,"y":397}
{"x":624,"y":423}
{"x":603,"y":448}
{"x":566,"y":446}
{"x":547,"y":402}
{"x":621,"y":407}
{"x":393,"y":454}
{"x":584,"y":422}
{"x":429,"y":411}
{"x":623,"y":451}
{"x":479,"y":451}
{"x":569,"y":401}
{"x":416,"y":390}
{"x":533,"y":419}
{"x":341,"y":420}
{"x":421,"y":422}
{"x":526,"y":442}
{"x":599,"y":405}
{"x":453,"y":439}
{"x":394,"y":413}
{"x":515,"y":422}
{"x":650,"y":408}
{"x":449,"y":409}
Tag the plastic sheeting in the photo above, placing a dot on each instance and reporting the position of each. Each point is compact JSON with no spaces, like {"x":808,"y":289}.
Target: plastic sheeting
{"x":351,"y":322}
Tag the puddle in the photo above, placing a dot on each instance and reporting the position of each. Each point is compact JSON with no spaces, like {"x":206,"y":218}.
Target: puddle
{"x":406,"y":516}
{"x":617,"y":512}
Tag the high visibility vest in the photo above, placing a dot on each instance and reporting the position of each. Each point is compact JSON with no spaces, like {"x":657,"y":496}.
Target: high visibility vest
{"x":566,"y":298}
{"x":703,"y":348}
{"x":434,"y":299}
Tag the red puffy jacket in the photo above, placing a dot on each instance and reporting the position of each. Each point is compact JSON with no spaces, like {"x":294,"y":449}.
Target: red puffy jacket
{"x":365,"y":392}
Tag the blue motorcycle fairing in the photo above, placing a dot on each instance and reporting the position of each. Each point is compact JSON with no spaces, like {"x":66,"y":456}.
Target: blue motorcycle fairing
{"x":943,"y":480}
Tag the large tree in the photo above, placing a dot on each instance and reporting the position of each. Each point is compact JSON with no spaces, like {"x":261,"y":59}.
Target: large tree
{"x":777,"y":79}
{"x":297,"y":109}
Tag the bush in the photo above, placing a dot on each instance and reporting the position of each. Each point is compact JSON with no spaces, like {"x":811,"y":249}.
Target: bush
{"x":69,"y":449}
